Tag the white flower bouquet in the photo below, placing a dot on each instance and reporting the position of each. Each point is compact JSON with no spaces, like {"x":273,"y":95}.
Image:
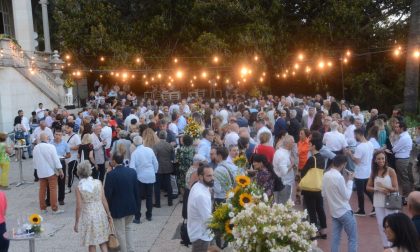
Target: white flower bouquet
{"x":262,"y":227}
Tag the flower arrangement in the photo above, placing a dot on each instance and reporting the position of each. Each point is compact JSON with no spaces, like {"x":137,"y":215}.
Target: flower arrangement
{"x":69,"y":82}
{"x":240,"y":161}
{"x":35,"y":221}
{"x":262,"y":227}
{"x":192,"y":129}
{"x":243,"y":194}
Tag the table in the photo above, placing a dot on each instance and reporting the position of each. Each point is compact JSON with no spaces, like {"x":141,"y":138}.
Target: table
{"x":19,"y":153}
{"x":31,"y":238}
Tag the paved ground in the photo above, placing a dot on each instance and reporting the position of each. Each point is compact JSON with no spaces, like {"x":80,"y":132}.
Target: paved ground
{"x":158,"y":235}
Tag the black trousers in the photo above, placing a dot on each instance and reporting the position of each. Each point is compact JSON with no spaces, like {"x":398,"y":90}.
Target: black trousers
{"x":361,"y":190}
{"x":101,"y":172}
{"x":145,"y":190}
{"x":71,"y":172}
{"x":61,"y":185}
{"x":315,"y":206}
{"x":163,"y":180}
{"x":4,"y":243}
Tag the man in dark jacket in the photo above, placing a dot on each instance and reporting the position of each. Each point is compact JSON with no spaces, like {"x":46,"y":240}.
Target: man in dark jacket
{"x":164,"y":152}
{"x":121,"y":192}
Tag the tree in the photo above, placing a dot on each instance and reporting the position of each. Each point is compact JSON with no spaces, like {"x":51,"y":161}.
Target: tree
{"x":411,"y":88}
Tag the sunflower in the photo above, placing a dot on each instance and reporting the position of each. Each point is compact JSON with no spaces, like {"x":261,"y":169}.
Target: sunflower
{"x":236,"y":189}
{"x":228,"y":227}
{"x":245,"y":198}
{"x":243,"y":180}
{"x":35,"y":219}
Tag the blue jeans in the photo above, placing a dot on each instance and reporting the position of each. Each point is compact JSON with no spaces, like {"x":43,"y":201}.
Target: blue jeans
{"x":28,"y":142}
{"x":348,"y":222}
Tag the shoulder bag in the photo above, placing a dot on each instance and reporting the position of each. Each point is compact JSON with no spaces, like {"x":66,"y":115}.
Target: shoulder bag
{"x":113,"y":242}
{"x":312,"y":181}
{"x":393,"y":201}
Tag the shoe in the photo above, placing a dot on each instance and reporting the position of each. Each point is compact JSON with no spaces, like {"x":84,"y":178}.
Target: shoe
{"x":136,"y":221}
{"x":59,"y":211}
{"x":149,"y":218}
{"x":170,"y":204}
{"x":30,"y":156}
{"x":372,"y":213}
{"x":174,"y":196}
{"x":36,"y":179}
{"x":23,"y":157}
{"x":44,"y":212}
{"x":360,"y":213}
{"x":156,"y":205}
{"x":68,"y":190}
{"x":61,"y":203}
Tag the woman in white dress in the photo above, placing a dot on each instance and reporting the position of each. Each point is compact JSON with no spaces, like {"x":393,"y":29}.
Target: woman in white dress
{"x":92,"y":209}
{"x":382,"y":181}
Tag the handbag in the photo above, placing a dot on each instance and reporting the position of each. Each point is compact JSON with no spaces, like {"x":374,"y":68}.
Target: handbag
{"x":312,"y":181}
{"x":393,"y":201}
{"x":185,"y":239}
{"x":113,"y":242}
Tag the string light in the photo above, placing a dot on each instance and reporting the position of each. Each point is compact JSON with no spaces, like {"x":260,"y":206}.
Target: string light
{"x":100,"y":76}
{"x":345,"y":60}
{"x":256,"y":58}
{"x":179,"y":74}
{"x":321,"y":64}
{"x":227,"y":81}
{"x":144,"y":76}
{"x":117,"y":74}
{"x":284,"y":76}
{"x":307,"y":69}
{"x":329,"y":64}
{"x":102,"y":58}
{"x":301,"y":57}
{"x":348,"y":53}
{"x":133,"y":76}
{"x":261,"y":79}
{"x":175,"y":60}
{"x":147,"y":83}
{"x":416,"y":54}
{"x":296,"y":66}
{"x":138,"y":60}
{"x":216,"y":59}
{"x":159,"y":76}
{"x":218,"y":77}
{"x":112,"y":73}
{"x":195,"y":77}
{"x":204,"y":75}
{"x":68,"y":57}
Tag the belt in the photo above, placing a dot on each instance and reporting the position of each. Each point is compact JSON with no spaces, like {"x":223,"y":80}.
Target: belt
{"x":403,"y":158}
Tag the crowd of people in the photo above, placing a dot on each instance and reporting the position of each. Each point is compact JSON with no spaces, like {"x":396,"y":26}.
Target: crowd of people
{"x":124,"y":150}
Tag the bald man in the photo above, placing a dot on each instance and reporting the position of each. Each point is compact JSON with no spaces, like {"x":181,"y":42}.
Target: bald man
{"x":414,"y":209}
{"x":48,"y":165}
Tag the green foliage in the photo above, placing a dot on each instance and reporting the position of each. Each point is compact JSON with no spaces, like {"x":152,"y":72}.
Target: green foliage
{"x":237,"y":29}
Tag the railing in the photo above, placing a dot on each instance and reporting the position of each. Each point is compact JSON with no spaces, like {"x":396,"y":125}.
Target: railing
{"x":35,"y":68}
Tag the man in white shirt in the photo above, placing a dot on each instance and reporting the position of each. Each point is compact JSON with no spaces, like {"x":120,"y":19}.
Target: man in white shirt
{"x":344,"y":111}
{"x":200,"y":209}
{"x":42,"y":128}
{"x":362,"y":157}
{"x":73,"y":140}
{"x":106,"y":136}
{"x":173,"y":126}
{"x":174,"y":108}
{"x":402,"y":149}
{"x":349,"y":131}
{"x":283,"y":167}
{"x":40,"y":112}
{"x":48,"y":165}
{"x":128,"y":119}
{"x":334,"y":140}
{"x":337,"y":193}
{"x":225,"y":115}
{"x":357,"y":114}
{"x":260,"y":127}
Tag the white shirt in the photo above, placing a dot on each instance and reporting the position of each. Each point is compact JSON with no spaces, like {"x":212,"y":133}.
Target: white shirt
{"x":73,"y":140}
{"x":128,"y":119}
{"x":172,"y":127}
{"x":345,"y":113}
{"x":40,"y":113}
{"x":264,"y":129}
{"x":349,"y":135}
{"x":334,"y":140}
{"x":374,"y":143}
{"x":402,"y":146}
{"x":106,"y":134}
{"x":199,"y":213}
{"x":231,"y":138}
{"x":172,"y":108}
{"x":49,"y":121}
{"x":45,"y":160}
{"x":359,"y":116}
{"x":281,"y":165}
{"x":25,"y":124}
{"x":364,"y":152}
{"x":37,"y":133}
{"x":186,"y":109}
{"x":336,"y":192}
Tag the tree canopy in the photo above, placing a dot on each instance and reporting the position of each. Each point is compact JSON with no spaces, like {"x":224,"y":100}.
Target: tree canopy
{"x":275,"y":30}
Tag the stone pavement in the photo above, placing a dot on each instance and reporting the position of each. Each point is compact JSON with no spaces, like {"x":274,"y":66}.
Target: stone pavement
{"x":157,"y":235}
{"x":161,"y":234}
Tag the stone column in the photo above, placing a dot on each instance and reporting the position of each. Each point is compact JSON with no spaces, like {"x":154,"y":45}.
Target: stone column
{"x":24,"y":24}
{"x":45,"y":25}
{"x":56,"y":64}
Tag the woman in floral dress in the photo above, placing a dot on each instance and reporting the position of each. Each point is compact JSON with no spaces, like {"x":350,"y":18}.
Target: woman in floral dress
{"x":185,"y":156}
{"x":92,"y":209}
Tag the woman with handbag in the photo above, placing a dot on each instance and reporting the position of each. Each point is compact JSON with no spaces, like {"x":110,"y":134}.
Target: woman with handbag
{"x":311,"y":185}
{"x":92,"y":210}
{"x":382,"y":182}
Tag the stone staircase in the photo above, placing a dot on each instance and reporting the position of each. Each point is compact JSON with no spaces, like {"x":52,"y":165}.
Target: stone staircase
{"x":44,"y":71}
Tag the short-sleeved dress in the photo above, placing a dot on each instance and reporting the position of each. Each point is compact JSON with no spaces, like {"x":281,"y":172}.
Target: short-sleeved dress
{"x":94,"y":221}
